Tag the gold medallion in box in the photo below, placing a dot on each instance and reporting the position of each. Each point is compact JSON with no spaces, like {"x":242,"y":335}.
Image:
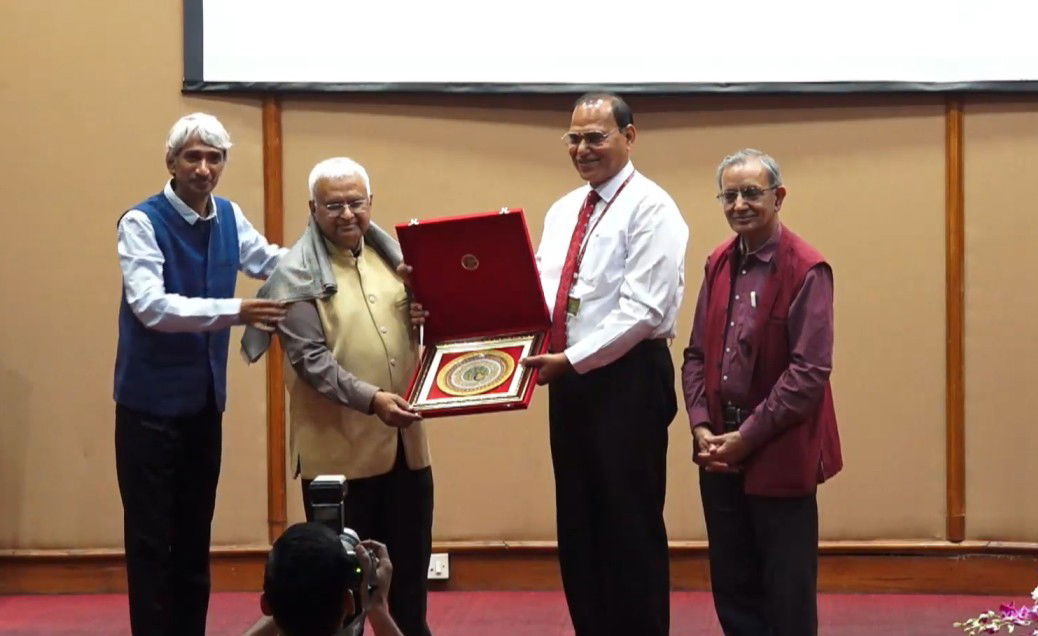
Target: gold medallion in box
{"x":474,"y":373}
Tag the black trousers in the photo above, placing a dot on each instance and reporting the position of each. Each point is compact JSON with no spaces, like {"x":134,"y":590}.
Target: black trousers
{"x":168,"y":468}
{"x":397,"y":509}
{"x":763,"y":559}
{"x":609,"y":453}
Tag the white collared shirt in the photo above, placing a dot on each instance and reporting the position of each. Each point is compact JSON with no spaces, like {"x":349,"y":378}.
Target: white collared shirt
{"x":632,"y":277}
{"x":141,"y":261}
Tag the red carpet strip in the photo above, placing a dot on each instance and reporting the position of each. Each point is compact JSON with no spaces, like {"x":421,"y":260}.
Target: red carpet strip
{"x":507,"y":614}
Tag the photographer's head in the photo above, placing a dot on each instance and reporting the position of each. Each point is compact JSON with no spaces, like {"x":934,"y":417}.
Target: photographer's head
{"x":306,"y":586}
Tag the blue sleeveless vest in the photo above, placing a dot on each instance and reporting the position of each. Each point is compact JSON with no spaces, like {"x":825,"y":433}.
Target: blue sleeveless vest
{"x":169,"y":374}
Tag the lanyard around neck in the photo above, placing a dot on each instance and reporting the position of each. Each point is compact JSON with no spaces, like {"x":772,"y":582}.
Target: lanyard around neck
{"x":587,"y":237}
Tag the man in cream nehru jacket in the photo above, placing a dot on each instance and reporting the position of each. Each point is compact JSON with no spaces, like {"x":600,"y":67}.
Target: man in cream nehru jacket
{"x":353,"y":351}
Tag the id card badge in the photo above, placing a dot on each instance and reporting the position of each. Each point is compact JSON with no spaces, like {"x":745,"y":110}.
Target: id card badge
{"x":572,"y":305}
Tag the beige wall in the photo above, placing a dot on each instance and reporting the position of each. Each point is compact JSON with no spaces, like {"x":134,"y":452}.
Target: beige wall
{"x":1001,"y":304}
{"x":89,"y":91}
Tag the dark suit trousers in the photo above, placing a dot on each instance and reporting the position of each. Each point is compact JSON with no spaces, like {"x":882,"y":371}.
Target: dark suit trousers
{"x":609,"y":452}
{"x":763,"y":559}
{"x":397,"y":509}
{"x":168,"y":468}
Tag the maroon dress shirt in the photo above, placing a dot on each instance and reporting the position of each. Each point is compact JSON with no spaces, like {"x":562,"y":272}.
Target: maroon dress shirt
{"x":796,"y":394}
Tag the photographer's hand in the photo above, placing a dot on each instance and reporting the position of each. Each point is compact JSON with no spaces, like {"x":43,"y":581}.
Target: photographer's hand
{"x":373,"y":550}
{"x":378,"y":609}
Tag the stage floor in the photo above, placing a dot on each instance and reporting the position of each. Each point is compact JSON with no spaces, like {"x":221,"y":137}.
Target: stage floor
{"x":508,"y":614}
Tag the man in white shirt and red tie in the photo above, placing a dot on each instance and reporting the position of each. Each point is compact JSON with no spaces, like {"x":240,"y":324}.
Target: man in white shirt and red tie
{"x":611,"y":262}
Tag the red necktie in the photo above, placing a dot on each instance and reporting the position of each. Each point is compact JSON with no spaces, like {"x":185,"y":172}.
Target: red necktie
{"x":569,"y":274}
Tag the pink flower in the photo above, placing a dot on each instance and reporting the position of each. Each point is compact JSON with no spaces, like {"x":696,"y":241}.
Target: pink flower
{"x":1007,"y":615}
{"x":1019,"y":615}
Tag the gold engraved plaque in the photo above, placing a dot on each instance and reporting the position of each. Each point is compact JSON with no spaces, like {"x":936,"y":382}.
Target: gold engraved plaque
{"x":475,"y":373}
{"x":481,"y":373}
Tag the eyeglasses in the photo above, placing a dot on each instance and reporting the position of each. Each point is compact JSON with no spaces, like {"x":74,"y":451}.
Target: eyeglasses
{"x":750,"y":194}
{"x":335,"y":208}
{"x":593,"y":139}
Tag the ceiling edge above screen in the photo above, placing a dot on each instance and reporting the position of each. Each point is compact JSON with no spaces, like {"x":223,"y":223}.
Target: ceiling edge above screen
{"x":196,"y":85}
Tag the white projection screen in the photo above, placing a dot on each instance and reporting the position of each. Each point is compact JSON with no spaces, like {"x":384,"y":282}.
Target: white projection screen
{"x":649,"y":46}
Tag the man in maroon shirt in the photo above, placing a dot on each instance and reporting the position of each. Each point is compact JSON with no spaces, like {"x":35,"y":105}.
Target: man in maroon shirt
{"x":756,"y":384}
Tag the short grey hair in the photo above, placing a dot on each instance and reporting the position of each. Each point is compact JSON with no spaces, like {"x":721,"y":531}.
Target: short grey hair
{"x":338,"y":168}
{"x":201,"y":125}
{"x":740,"y":157}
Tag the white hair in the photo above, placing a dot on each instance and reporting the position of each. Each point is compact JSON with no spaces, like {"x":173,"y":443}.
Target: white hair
{"x":338,"y":168}
{"x":201,"y":125}
{"x":746,"y":155}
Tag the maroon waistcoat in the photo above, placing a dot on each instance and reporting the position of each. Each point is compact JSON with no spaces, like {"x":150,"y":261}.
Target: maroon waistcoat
{"x":804,"y":455}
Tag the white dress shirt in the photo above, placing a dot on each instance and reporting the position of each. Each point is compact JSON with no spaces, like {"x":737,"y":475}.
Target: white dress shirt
{"x":632,"y":277}
{"x":141,"y":261}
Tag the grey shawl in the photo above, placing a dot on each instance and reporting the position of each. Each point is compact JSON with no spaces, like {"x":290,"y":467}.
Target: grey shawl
{"x":305,"y":273}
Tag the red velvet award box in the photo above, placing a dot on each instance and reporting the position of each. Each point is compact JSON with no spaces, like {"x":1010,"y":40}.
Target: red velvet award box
{"x":477,"y":278}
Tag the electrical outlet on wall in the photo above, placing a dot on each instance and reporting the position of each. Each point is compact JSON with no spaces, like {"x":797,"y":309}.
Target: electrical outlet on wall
{"x":439,"y":567}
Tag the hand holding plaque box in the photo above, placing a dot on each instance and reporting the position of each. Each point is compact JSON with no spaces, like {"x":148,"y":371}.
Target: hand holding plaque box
{"x":477,"y":277}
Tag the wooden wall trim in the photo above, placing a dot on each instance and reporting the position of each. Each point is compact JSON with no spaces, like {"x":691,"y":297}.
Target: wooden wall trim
{"x":274,"y":228}
{"x":922,"y":547}
{"x":891,"y":547}
{"x":936,"y":572}
{"x":892,"y":566}
{"x":238,"y":569}
{"x":955,"y":396}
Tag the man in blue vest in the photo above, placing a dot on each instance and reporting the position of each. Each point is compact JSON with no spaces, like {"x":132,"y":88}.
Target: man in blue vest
{"x":180,"y":252}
